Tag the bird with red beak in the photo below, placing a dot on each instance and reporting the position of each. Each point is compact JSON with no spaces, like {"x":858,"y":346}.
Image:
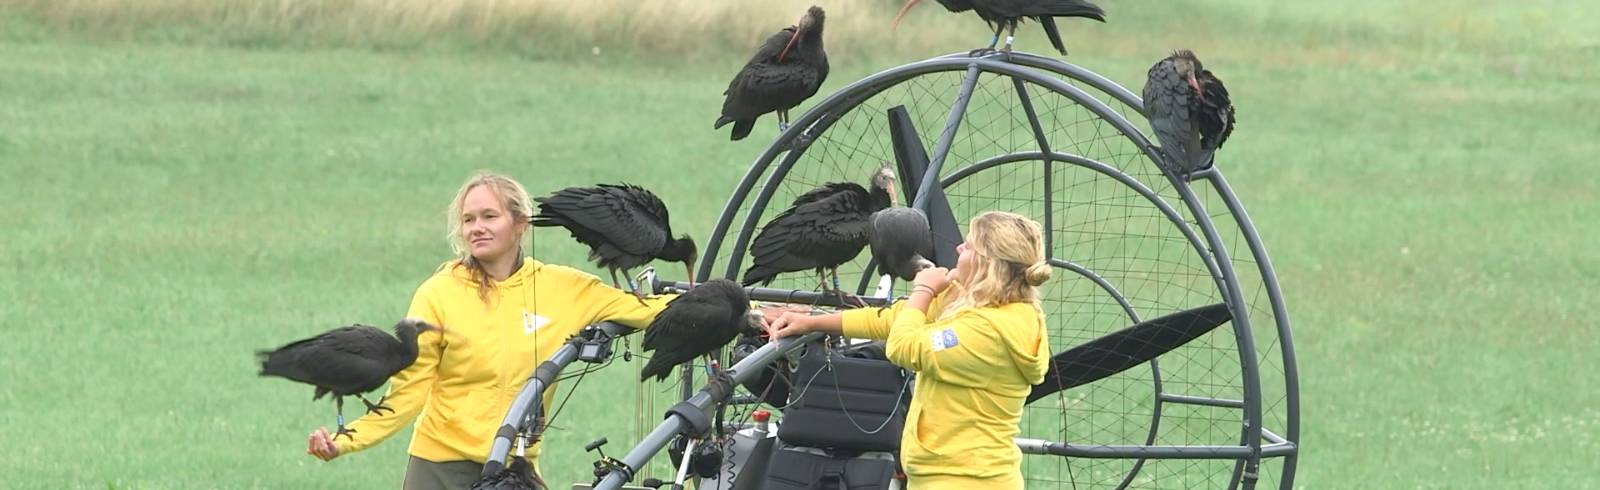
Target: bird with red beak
{"x":1189,"y":111}
{"x":788,"y":69}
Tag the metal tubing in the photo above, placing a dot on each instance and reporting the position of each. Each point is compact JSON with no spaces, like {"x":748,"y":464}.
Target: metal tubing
{"x":1049,"y":170}
{"x":1039,"y":446}
{"x":1280,"y":312}
{"x":532,"y":394}
{"x":793,"y":296}
{"x":1200,"y":400}
{"x":668,"y":429}
{"x":951,"y":125}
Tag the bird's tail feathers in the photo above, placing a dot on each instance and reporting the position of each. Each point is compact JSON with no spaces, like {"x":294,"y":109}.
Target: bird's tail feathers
{"x":1072,"y":8}
{"x":742,"y":129}
{"x":722,"y":121}
{"x":1054,"y":33}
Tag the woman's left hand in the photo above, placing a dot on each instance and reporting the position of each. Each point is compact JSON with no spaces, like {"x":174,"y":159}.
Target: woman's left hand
{"x":935,"y":278}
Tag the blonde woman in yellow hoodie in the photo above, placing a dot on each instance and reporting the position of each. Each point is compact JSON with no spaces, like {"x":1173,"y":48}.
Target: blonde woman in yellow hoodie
{"x":976,"y":338}
{"x":506,"y":314}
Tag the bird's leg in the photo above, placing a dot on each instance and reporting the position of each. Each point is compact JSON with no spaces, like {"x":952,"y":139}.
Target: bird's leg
{"x":377,"y":408}
{"x":783,"y":120}
{"x":844,"y":298}
{"x":1011,"y":35}
{"x":614,"y":282}
{"x":633,"y":286}
{"x":992,"y":42}
{"x":338,"y":407}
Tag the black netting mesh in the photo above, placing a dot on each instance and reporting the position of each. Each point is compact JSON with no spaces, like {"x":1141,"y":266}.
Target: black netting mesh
{"x":1097,"y":223}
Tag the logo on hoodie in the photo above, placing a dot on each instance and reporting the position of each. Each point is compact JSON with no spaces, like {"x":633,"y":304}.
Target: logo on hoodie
{"x":532,"y":322}
{"x":944,"y":339}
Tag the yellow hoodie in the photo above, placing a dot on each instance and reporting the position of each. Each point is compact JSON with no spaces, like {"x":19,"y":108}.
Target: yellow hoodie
{"x":974,"y":372}
{"x":464,"y":383}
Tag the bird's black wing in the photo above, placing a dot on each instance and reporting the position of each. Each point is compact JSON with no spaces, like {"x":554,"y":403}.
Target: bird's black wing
{"x":814,"y":234}
{"x":1216,"y":115}
{"x":694,"y":324}
{"x":740,"y":102}
{"x":770,"y":86}
{"x":825,"y":190}
{"x":648,"y":211}
{"x":1170,"y":108}
{"x":608,"y":221}
{"x":343,"y":359}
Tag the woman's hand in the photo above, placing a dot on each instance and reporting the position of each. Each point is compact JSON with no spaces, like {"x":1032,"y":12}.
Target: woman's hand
{"x":322,"y":446}
{"x":936,"y":279}
{"x":789,"y":324}
{"x":771,"y":313}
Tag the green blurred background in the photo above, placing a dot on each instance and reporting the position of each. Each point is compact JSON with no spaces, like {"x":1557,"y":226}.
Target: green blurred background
{"x":185,"y":181}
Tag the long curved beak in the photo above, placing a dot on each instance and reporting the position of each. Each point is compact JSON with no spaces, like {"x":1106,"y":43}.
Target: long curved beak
{"x":903,"y":9}
{"x":688,"y":266}
{"x":790,"y":44}
{"x":894,"y":197}
{"x":1195,"y":84}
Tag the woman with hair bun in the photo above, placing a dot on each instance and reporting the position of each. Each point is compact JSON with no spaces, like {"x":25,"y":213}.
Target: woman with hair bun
{"x":976,"y":338}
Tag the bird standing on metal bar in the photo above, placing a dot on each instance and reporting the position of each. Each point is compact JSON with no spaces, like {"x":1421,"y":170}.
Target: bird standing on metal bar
{"x":788,"y":69}
{"x":625,"y":226}
{"x":1004,"y":15}
{"x":695,"y":323}
{"x":1189,"y":111}
{"x":347,"y":361}
{"x":822,"y":230}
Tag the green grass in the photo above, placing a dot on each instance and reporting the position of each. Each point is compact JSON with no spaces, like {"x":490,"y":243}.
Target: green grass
{"x":1426,"y":190}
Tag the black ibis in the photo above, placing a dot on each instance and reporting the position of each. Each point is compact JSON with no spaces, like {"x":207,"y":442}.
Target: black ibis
{"x":625,"y":226}
{"x":1003,"y":15}
{"x":901,"y":242}
{"x":697,"y":322}
{"x":345,"y":361}
{"x":822,"y":230}
{"x":1189,"y":111}
{"x":787,"y":70}
{"x":517,"y":476}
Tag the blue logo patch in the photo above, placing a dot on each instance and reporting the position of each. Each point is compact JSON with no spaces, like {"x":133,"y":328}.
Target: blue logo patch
{"x":944,"y":339}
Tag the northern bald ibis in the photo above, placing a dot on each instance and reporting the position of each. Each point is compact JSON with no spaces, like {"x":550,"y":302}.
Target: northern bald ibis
{"x":625,"y":226}
{"x":346,"y":361}
{"x":823,"y":229}
{"x":1003,"y":15}
{"x":1189,"y":111}
{"x":901,"y":242}
{"x":788,"y":69}
{"x":695,"y":323}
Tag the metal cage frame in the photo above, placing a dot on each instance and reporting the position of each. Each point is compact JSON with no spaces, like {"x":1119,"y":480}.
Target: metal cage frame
{"x":1256,"y":441}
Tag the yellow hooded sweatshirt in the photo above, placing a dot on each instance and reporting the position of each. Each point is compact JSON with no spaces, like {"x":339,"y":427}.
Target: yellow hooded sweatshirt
{"x":974,"y":372}
{"x":462,"y":384}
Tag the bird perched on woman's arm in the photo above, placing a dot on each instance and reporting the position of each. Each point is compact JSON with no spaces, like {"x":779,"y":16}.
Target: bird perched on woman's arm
{"x":346,"y":361}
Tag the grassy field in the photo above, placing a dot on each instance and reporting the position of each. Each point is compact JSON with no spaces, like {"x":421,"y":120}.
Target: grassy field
{"x":177,"y":195}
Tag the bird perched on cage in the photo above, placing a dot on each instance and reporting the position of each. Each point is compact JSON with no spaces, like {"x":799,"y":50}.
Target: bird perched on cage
{"x":788,"y":69}
{"x":345,"y":361}
{"x":824,"y":228}
{"x":901,"y":241}
{"x":625,"y":226}
{"x":1189,"y":111}
{"x":518,"y":475}
{"x":695,"y":323}
{"x":1004,"y":15}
